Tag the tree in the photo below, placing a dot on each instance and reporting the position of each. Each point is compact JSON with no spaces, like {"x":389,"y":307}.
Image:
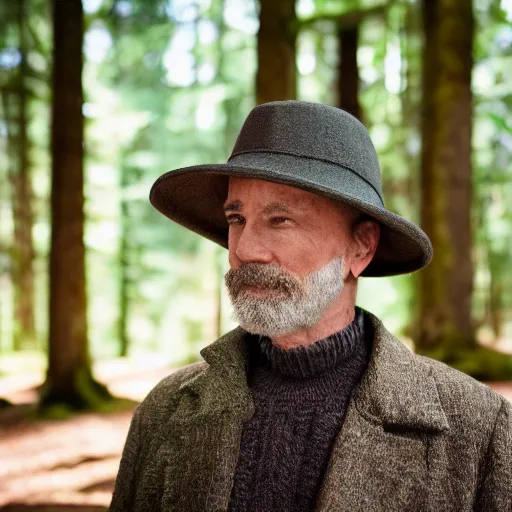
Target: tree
{"x":277,"y":35}
{"x":16,"y":98}
{"x":348,"y":72}
{"x":347,"y":26}
{"x":130,"y":271}
{"x":69,"y":379}
{"x":446,"y":285}
{"x":125,"y":283}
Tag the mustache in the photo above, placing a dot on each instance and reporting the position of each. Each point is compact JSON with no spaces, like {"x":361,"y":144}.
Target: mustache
{"x":264,"y":275}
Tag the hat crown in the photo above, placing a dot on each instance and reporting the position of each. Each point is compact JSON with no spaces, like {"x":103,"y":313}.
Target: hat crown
{"x":311,"y":130}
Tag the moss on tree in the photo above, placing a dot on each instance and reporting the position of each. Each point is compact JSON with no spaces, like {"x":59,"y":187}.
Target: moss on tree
{"x":4,"y":403}
{"x":481,"y":363}
{"x":446,"y":285}
{"x":81,"y":392}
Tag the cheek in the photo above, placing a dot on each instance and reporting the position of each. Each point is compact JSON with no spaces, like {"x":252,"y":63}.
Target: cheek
{"x":297,"y":247}
{"x":231,"y":258}
{"x":301,"y":256}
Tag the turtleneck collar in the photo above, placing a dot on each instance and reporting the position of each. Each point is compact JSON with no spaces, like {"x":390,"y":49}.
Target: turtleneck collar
{"x":320,"y":356}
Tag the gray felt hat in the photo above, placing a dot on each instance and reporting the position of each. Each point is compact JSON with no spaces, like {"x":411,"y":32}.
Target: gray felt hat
{"x":311,"y":146}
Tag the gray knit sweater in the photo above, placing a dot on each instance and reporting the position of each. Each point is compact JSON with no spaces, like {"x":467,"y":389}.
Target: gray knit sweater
{"x":301,"y":397}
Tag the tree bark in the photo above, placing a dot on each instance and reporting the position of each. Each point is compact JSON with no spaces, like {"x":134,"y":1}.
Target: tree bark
{"x":124,"y":277}
{"x":69,"y":379}
{"x":22,"y":253}
{"x":348,"y":71}
{"x":410,"y":98}
{"x":446,"y":285}
{"x":277,"y":35}
{"x":498,"y":267}
{"x":126,"y":264}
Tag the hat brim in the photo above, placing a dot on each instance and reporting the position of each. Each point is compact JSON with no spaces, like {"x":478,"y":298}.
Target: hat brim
{"x":194,"y":197}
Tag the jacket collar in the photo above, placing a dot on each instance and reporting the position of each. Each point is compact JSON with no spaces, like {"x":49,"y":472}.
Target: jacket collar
{"x":397,"y":389}
{"x":222,"y":385}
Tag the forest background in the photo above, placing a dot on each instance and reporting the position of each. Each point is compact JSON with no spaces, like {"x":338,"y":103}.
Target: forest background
{"x":100,"y":98}
{"x":101,"y":296}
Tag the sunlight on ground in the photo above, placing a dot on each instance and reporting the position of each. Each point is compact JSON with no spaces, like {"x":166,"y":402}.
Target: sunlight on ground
{"x":126,"y":377}
{"x":72,"y":461}
{"x":69,"y":461}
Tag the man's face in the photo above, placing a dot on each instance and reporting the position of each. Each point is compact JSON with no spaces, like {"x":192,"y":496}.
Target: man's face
{"x":288,"y":252}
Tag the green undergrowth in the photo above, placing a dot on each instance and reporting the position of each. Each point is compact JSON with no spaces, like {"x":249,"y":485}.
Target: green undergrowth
{"x":84,"y":394}
{"x":4,"y":403}
{"x":481,"y":363}
{"x":63,"y":411}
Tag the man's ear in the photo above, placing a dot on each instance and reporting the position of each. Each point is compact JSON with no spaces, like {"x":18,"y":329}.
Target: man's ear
{"x":366,"y":237}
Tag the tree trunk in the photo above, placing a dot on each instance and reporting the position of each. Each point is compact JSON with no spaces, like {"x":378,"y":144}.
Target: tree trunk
{"x":446,"y":285}
{"x":69,"y":379}
{"x":22,"y":253}
{"x":124,"y":263}
{"x":498,"y":264}
{"x":410,"y":98}
{"x":348,"y":71}
{"x":410,"y":47}
{"x":276,"y":75}
{"x":124,"y":280}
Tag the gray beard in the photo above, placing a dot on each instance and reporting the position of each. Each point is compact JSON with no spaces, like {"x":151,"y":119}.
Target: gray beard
{"x":287,"y":304}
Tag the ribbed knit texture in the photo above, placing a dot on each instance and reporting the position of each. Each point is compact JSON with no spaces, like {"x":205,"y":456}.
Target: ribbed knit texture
{"x":301,"y":397}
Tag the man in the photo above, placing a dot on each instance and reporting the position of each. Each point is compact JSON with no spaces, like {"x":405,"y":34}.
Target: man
{"x":310,"y":404}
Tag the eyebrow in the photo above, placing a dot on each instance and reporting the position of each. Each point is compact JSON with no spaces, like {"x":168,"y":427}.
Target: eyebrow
{"x":274,"y":207}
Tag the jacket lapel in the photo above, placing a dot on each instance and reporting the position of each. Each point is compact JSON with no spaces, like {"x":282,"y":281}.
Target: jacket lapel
{"x":381,"y":457}
{"x":206,"y":430}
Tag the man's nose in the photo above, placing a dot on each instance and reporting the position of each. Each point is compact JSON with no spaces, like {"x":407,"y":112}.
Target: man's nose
{"x":251,"y":246}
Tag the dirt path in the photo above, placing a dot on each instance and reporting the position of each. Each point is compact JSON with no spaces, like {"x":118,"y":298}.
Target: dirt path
{"x":60,"y":465}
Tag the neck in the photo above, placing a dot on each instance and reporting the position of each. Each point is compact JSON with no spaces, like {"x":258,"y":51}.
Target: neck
{"x":339,"y":314}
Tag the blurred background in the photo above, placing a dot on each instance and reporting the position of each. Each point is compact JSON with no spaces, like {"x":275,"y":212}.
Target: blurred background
{"x":101,"y":296}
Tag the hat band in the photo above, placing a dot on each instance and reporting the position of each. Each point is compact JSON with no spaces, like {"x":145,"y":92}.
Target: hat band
{"x":285,"y":164}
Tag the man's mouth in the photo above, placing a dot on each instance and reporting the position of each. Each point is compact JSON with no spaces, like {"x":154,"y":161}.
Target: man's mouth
{"x":259,"y":289}
{"x":255,"y":287}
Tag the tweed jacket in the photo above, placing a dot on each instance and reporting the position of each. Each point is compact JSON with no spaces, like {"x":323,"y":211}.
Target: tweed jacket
{"x":418,"y":436}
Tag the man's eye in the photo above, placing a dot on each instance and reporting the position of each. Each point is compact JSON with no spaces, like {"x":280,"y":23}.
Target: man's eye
{"x":238,"y":219}
{"x":233,"y":219}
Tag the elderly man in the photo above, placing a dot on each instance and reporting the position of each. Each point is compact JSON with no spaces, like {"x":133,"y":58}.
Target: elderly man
{"x":310,"y":404}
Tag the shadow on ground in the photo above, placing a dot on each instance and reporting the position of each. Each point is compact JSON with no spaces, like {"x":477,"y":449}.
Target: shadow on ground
{"x":68,"y":464}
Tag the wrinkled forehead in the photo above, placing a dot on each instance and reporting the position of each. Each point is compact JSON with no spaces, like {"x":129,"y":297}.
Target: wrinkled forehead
{"x":261,"y":191}
{"x":242,"y":191}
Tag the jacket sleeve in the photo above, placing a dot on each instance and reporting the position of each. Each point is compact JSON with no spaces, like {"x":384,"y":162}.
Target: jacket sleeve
{"x":126,"y":480}
{"x":495,"y":493}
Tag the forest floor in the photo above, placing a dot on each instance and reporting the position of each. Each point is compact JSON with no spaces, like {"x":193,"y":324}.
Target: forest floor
{"x":70,"y":465}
